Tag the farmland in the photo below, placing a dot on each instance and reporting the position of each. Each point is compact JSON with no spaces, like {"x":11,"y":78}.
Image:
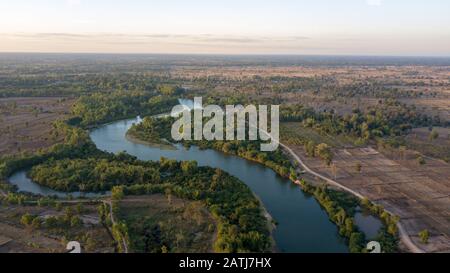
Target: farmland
{"x":385,"y":123}
{"x":27,"y":123}
{"x":418,"y":194}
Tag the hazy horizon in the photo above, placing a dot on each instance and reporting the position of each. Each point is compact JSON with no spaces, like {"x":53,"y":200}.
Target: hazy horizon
{"x":227,"y":54}
{"x":323,"y":28}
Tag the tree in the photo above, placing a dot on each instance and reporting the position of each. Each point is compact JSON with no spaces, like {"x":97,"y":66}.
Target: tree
{"x":117,"y":193}
{"x":164,"y":249}
{"x":324,"y":151}
{"x":392,"y":229}
{"x":169,"y":90}
{"x":356,"y":242}
{"x":51,"y":222}
{"x":27,"y":219}
{"x":168,"y":193}
{"x":293,"y":174}
{"x":188,"y":166}
{"x":421,"y":160}
{"x":434,"y":135}
{"x":424,"y":236}
{"x":310,"y":148}
{"x":80,"y":208}
{"x":349,"y":227}
{"x":103,"y":212}
{"x":75,"y":221}
{"x":365,"y":202}
{"x":365,"y":132}
{"x":283,"y":171}
{"x":36,"y":223}
{"x":340,"y":217}
{"x":68,"y":214}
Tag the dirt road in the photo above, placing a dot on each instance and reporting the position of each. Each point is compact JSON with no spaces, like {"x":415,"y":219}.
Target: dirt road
{"x":404,"y":237}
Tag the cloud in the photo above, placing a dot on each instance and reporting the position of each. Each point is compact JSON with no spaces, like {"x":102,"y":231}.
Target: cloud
{"x":160,"y":37}
{"x":247,"y":39}
{"x":151,"y":42}
{"x":374,"y":2}
{"x":47,"y":35}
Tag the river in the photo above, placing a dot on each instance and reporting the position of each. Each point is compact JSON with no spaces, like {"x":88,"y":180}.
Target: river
{"x":302,"y":225}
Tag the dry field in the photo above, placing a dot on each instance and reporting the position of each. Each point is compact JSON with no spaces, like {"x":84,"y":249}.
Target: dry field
{"x":429,"y":84}
{"x":419,"y":194}
{"x":26,"y":123}
{"x":434,"y":107}
{"x":419,"y":140}
{"x":423,"y":134}
{"x":19,"y":239}
{"x":345,"y":74}
{"x":240,"y":72}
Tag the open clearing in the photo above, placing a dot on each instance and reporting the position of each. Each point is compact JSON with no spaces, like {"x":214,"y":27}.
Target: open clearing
{"x":419,"y":140}
{"x":418,"y":194}
{"x":433,"y":107}
{"x":26,"y":123}
{"x":16,"y":238}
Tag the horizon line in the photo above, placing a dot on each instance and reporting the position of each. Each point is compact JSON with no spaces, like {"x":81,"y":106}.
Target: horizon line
{"x":228,"y":54}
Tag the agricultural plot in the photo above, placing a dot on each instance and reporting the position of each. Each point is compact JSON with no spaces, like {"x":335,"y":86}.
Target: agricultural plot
{"x":419,"y":140}
{"x":418,"y":194}
{"x":26,"y":123}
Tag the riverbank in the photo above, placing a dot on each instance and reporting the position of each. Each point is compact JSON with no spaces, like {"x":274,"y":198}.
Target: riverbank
{"x":271,"y":226}
{"x":404,"y":236}
{"x":281,"y":167}
{"x":164,"y":144}
{"x":303,"y":226}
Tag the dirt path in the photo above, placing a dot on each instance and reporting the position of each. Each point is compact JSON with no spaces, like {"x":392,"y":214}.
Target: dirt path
{"x":404,"y":237}
{"x":113,"y":221}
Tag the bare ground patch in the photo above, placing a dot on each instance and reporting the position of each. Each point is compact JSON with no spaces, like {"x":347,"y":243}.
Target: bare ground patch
{"x":20,"y":239}
{"x":419,"y":194}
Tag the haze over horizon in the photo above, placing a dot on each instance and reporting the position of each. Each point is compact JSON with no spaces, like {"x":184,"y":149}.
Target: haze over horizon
{"x":322,"y":27}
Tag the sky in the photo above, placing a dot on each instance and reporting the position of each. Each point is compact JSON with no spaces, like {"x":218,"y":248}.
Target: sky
{"x":317,"y":27}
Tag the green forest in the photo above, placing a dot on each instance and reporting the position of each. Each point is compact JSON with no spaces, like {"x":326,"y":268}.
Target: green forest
{"x":241,"y":225}
{"x":154,"y":130}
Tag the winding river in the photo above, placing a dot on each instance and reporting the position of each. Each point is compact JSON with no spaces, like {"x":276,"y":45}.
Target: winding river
{"x":302,"y":225}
